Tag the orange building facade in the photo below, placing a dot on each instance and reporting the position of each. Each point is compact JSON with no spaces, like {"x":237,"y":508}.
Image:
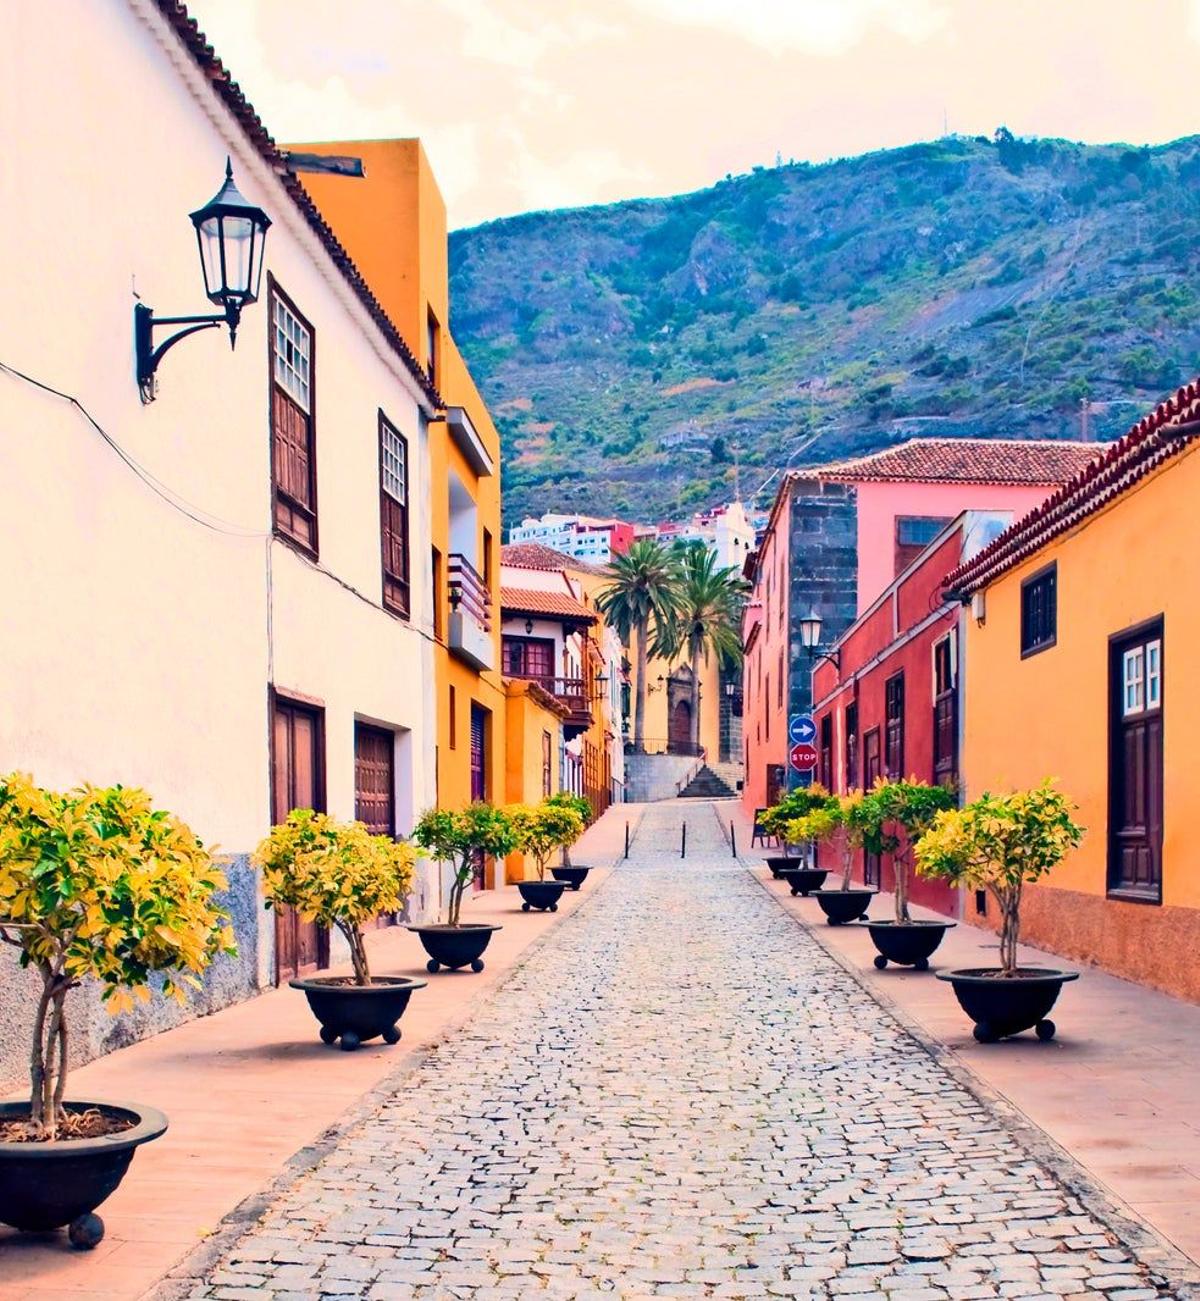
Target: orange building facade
{"x":393,"y":224}
{"x":1082,"y":622}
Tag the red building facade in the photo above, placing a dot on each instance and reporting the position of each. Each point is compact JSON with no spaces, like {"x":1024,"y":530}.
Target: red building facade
{"x":890,"y":706}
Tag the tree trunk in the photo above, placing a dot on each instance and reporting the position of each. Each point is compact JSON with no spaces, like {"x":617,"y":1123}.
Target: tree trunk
{"x":847,"y":858}
{"x":639,"y":703}
{"x":900,"y":872}
{"x":697,"y":653}
{"x":37,"y":1057}
{"x":358,"y":953}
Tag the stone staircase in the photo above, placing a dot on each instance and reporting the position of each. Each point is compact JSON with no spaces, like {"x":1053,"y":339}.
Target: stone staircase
{"x":706,"y":785}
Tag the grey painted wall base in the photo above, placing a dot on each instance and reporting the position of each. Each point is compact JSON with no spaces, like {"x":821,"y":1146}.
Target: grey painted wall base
{"x":650,"y":777}
{"x":95,"y":1032}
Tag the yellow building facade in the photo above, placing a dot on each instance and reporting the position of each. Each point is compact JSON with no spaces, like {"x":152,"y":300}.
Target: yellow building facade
{"x":1080,"y":625}
{"x":393,"y":225}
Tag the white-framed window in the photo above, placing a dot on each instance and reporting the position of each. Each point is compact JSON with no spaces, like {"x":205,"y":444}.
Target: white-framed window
{"x":292,"y":351}
{"x":1133,"y":678}
{"x":394,"y":458}
{"x":1153,"y":674}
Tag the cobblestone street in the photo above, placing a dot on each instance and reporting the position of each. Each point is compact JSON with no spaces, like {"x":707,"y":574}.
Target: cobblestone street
{"x":679,"y":1093}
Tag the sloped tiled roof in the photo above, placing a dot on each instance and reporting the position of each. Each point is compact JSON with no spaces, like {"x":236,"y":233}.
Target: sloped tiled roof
{"x":1154,"y":440}
{"x":553,"y":605}
{"x":536,"y":555}
{"x":963,"y":460}
{"x":230,"y":93}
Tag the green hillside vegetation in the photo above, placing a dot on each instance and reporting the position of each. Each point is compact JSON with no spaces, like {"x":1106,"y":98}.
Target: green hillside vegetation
{"x":632,"y":353}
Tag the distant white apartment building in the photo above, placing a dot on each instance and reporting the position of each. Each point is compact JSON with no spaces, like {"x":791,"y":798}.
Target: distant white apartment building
{"x":580,"y":536}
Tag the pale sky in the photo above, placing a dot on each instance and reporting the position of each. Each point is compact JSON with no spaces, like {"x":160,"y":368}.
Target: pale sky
{"x":527,"y":104}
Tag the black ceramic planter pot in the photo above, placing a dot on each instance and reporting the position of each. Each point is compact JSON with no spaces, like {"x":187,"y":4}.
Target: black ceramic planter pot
{"x":542,"y":895}
{"x":842,"y":906}
{"x":908,"y":944}
{"x":46,"y":1185}
{"x":804,"y":880}
{"x":1004,"y":1005}
{"x":455,"y":946}
{"x":779,"y":864}
{"x":573,"y":877}
{"x":355,"y":1013}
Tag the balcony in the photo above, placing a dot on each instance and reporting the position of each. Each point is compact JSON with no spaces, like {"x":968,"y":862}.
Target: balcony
{"x":470,"y":614}
{"x":571,"y":692}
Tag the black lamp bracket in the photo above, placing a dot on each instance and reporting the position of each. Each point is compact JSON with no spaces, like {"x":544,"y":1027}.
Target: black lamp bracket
{"x":148,"y":356}
{"x":833,"y":657}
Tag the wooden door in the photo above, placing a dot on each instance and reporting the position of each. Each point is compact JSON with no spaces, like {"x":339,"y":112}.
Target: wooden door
{"x":479,"y":774}
{"x":297,"y":782}
{"x":872,"y":770}
{"x":680,"y":741}
{"x":375,"y":786}
{"x":1136,"y":764}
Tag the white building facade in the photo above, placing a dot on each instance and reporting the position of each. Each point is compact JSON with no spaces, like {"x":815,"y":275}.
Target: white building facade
{"x":223,"y":595}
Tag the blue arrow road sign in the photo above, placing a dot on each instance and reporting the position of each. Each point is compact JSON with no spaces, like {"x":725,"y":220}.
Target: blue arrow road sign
{"x":801,"y":728}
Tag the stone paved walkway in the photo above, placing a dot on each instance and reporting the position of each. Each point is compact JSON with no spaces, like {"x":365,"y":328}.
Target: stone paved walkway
{"x":679,"y":1094}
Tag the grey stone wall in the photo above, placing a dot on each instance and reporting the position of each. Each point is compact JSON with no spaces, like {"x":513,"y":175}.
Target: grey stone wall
{"x":824,"y":575}
{"x":650,"y":777}
{"x":95,"y":1032}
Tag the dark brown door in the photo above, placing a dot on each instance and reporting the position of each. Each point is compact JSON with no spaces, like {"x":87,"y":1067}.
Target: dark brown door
{"x":375,"y":786}
{"x":297,"y":782}
{"x":681,"y":728}
{"x":1136,"y":764}
{"x":479,"y":774}
{"x":872,"y":770}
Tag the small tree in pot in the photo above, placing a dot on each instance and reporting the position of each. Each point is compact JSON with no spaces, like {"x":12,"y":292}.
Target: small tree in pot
{"x":341,"y":876}
{"x":574,"y":874}
{"x":1001,"y":843}
{"x":839,"y":823}
{"x":776,"y":820}
{"x":892,"y":817}
{"x":459,"y":837}
{"x":94,"y":884}
{"x":538,"y":831}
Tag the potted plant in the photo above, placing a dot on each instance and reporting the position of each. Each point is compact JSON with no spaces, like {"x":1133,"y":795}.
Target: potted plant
{"x":339,"y":875}
{"x":459,"y":837}
{"x":894,"y":815}
{"x":95,"y":884}
{"x":777,"y":820}
{"x":574,"y":874}
{"x":1001,"y":843}
{"x":839,"y":824}
{"x":538,"y":831}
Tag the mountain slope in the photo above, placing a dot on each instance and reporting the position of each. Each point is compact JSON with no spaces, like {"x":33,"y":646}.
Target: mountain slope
{"x":966,"y":286}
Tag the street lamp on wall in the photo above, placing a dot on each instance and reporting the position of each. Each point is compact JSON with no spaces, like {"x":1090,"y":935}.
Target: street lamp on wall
{"x":810,"y":639}
{"x":231,"y":235}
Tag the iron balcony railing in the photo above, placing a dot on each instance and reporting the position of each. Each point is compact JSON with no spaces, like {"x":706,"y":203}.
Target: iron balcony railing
{"x":468,"y":592}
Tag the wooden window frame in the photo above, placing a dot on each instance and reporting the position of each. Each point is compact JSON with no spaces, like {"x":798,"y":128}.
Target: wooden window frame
{"x":893,"y":771}
{"x":904,"y":553}
{"x":850,"y":721}
{"x":439,"y":579}
{"x":547,"y":765}
{"x":398,"y":605}
{"x":433,"y":343}
{"x":1151,"y":630}
{"x":945,"y":707}
{"x":280,"y":498}
{"x":453,"y":710}
{"x":1028,"y":646}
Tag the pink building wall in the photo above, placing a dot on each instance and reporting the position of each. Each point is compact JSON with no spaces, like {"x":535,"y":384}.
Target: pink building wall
{"x":764,"y":712}
{"x":879,"y":504}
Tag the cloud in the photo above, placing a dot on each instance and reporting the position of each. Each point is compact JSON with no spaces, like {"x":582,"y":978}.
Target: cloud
{"x":825,"y":27}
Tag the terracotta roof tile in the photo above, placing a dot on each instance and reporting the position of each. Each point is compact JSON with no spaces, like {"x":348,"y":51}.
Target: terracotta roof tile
{"x":963,"y":460}
{"x":554,"y":605}
{"x":536,"y":555}
{"x":196,"y":44}
{"x":1148,"y":445}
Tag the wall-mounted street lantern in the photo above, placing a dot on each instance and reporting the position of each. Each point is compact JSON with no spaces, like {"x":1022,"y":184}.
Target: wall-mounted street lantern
{"x":810,"y":639}
{"x":231,"y":235}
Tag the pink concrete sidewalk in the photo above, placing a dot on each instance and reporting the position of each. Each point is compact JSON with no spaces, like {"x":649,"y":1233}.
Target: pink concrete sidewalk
{"x":248,"y":1087}
{"x":1116,"y":1089}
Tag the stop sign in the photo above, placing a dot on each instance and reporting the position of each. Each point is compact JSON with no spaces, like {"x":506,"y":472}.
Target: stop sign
{"x":803,"y":756}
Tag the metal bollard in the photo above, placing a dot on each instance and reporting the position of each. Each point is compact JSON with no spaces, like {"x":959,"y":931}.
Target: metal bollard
{"x":626,"y":840}
{"x":733,"y":839}
{"x":683,"y":847}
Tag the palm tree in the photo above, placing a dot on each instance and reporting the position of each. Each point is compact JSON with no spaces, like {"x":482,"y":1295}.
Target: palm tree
{"x":643,"y":592}
{"x":706,"y":620}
